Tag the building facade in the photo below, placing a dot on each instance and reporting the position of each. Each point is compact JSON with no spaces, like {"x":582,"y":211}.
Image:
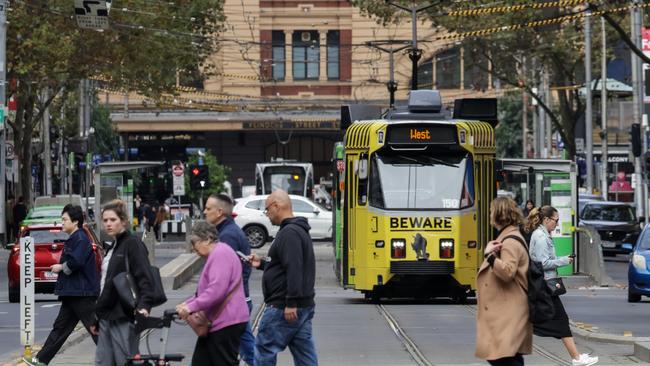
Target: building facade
{"x":283,"y":70}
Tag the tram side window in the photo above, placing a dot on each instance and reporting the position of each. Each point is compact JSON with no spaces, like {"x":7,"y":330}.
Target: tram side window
{"x":467,"y":196}
{"x":362,"y":174}
{"x":376,"y":193}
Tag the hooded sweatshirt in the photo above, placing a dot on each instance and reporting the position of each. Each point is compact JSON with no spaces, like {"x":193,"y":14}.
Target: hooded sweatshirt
{"x":290,"y":268}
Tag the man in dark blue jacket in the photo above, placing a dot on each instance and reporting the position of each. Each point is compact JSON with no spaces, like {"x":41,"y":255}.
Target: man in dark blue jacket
{"x":218,"y":211}
{"x":77,"y":286}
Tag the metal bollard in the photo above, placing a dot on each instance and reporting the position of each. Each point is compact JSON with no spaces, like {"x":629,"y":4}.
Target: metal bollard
{"x":150,"y":243}
{"x":188,"y":229}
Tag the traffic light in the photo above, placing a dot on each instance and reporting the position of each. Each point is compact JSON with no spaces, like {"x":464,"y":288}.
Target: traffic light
{"x":646,"y":164}
{"x":635,"y":139}
{"x":199,"y":177}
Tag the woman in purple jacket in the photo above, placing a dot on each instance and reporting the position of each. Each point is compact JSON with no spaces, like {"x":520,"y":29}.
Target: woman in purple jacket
{"x":220,"y":295}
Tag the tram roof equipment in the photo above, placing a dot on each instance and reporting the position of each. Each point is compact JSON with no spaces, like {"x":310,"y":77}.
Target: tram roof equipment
{"x":425,"y":105}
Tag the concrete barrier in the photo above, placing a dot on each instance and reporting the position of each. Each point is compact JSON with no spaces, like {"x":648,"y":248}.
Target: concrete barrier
{"x":590,"y":256}
{"x":642,"y":351}
{"x":180,"y":269}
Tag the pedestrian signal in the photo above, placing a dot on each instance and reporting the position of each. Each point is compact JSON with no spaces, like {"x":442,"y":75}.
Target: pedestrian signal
{"x":635,"y":139}
{"x":199,"y":177}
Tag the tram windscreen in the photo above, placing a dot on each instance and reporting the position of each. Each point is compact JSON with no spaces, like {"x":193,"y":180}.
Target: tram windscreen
{"x":289,"y":179}
{"x":417,"y":181}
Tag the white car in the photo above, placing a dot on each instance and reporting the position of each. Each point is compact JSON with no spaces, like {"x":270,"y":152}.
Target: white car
{"x":249,"y":215}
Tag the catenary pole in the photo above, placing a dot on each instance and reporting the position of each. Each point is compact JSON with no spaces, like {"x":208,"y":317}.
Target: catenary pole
{"x":603,"y":112}
{"x":3,"y":100}
{"x":589,"y":146}
{"x":637,"y":100}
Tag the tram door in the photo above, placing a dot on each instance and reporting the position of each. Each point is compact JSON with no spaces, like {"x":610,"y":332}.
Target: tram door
{"x":349,"y":219}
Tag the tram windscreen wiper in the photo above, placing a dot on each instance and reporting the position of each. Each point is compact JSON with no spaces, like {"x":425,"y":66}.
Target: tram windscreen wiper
{"x":429,"y":160}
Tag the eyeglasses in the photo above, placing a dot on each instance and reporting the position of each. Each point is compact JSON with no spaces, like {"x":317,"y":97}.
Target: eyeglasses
{"x":266,"y":209}
{"x":552,"y":219}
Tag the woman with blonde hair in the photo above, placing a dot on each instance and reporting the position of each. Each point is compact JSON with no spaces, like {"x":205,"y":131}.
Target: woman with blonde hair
{"x":503,"y":332}
{"x":541,"y":222}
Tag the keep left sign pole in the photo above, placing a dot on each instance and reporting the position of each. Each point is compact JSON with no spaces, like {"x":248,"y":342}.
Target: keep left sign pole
{"x":27,"y":294}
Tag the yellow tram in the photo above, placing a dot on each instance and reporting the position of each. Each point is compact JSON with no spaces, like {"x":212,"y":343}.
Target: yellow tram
{"x":412,"y":199}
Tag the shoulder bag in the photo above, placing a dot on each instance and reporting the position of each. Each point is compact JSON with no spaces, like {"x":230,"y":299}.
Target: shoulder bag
{"x":126,"y":287}
{"x":200,"y":322}
{"x":556,"y":286}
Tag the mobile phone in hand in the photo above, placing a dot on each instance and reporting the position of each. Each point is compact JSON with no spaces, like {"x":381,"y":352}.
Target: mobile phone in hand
{"x":243,"y":257}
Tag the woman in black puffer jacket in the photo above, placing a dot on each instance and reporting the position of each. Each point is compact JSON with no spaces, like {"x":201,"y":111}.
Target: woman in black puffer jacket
{"x":117,"y":337}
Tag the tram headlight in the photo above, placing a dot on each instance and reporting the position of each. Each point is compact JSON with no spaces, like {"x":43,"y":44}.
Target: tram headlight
{"x":398,"y":248}
{"x":446,"y":248}
{"x":379,"y":243}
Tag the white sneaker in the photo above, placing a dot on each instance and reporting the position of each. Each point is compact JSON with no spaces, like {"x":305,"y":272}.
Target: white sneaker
{"x":585,"y":360}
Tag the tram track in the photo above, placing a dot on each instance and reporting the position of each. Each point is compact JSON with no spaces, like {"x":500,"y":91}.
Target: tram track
{"x":407,"y":342}
{"x":536,"y":348}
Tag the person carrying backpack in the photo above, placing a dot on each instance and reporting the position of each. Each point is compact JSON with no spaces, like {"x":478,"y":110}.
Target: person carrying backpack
{"x":503,"y":330}
{"x":541,"y":222}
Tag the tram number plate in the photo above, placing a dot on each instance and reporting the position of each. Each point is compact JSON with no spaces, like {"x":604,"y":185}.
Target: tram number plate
{"x":608,"y":244}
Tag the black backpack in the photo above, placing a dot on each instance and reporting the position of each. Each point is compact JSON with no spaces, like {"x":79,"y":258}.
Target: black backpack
{"x":540,"y":303}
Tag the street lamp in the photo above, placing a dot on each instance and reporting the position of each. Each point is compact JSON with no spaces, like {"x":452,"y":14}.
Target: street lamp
{"x":391,"y":84}
{"x":414,"y":52}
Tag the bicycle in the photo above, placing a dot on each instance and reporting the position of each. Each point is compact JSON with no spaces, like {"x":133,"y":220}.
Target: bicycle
{"x":161,"y":359}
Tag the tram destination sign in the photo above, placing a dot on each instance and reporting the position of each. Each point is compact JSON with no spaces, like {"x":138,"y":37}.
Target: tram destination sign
{"x":421,"y":134}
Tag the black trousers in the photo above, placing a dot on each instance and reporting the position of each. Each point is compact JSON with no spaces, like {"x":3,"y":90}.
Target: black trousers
{"x":219,"y":348}
{"x":516,"y":360}
{"x":73,"y":309}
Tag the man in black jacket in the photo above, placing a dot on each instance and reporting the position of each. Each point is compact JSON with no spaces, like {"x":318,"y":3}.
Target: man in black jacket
{"x":77,"y":286}
{"x":288,"y":287}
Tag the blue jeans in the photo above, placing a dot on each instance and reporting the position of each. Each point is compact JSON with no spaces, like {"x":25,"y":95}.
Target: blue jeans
{"x":247,"y":344}
{"x":275,"y":334}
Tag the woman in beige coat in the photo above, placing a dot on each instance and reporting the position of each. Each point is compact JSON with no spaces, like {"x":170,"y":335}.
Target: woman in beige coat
{"x":503,"y":332}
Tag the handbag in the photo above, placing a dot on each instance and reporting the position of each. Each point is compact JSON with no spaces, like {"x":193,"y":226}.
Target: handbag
{"x":126,"y":287}
{"x":200,"y":323}
{"x":556,"y":286}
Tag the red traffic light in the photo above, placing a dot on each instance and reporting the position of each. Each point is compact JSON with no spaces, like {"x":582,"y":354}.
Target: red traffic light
{"x":195,"y":171}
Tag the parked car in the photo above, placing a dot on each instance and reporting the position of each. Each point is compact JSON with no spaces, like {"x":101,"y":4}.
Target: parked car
{"x":49,"y":241}
{"x":615,"y":222}
{"x":249,"y":215}
{"x":585,"y":198}
{"x":43,"y":215}
{"x":638,"y":275}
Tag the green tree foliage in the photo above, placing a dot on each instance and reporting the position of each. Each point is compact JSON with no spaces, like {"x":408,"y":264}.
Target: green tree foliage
{"x":517,"y":55}
{"x":508,"y":133}
{"x":218,"y":175}
{"x":106,"y":137}
{"x":142,"y":51}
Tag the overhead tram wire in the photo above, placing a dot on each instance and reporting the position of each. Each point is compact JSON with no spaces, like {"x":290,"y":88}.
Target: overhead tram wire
{"x":456,"y":37}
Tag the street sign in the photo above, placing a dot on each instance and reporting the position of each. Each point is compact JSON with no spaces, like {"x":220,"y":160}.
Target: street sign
{"x":178,"y":179}
{"x":27,"y":291}
{"x":580,"y":145}
{"x":9,"y":150}
{"x":2,"y":117}
{"x":91,"y":14}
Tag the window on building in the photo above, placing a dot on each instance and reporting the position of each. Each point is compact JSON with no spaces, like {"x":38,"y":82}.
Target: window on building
{"x":278,"y":55}
{"x":448,"y":69}
{"x":333,"y":54}
{"x":425,"y":74}
{"x":306,"y":55}
{"x":476,"y":76}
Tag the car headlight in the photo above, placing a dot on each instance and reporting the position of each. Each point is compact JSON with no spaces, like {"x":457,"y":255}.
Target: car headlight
{"x":639,"y":262}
